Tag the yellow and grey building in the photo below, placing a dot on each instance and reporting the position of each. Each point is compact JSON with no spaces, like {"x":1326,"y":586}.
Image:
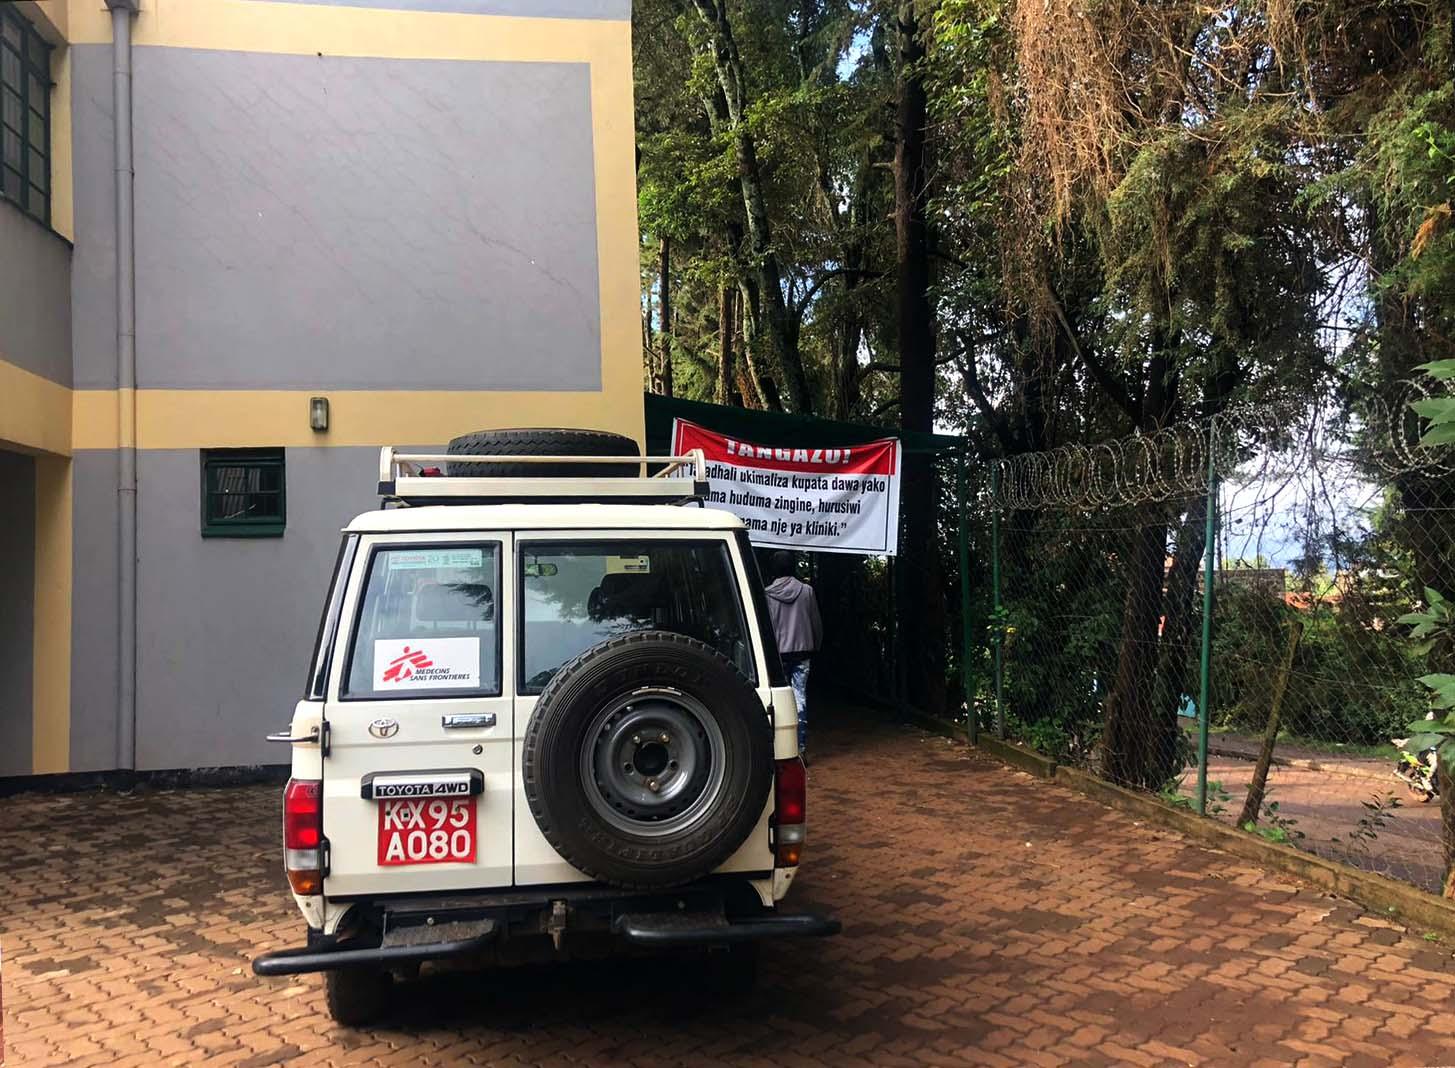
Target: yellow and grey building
{"x":422,"y":211}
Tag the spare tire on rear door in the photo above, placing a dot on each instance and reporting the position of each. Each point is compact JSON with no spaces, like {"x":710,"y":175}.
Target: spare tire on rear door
{"x":542,"y":442}
{"x":648,"y":760}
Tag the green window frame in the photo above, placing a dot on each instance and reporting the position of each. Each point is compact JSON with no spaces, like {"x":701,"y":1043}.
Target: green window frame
{"x":25,"y":116}
{"x":244,"y":493}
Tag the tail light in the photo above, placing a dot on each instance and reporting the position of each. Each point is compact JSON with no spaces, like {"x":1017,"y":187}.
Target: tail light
{"x":790,"y":799}
{"x":303,"y":835}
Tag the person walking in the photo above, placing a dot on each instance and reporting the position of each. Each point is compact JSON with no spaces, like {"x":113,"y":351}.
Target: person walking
{"x":798,"y":628}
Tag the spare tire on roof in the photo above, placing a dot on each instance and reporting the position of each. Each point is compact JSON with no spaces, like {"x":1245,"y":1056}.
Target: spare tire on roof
{"x":542,"y":442}
{"x":648,"y":760}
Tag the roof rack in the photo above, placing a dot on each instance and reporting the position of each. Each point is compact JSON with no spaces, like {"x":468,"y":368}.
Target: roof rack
{"x":421,"y":478}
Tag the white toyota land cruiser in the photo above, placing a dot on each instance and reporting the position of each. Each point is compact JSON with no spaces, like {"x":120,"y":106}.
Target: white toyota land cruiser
{"x":545,"y":717}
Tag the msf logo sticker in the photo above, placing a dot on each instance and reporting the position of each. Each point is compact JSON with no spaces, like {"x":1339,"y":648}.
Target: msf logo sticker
{"x":402,"y":665}
{"x":406,"y":664}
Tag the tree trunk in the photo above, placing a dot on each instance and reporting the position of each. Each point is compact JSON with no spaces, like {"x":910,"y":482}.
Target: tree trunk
{"x":769,"y":309}
{"x":654,"y":381}
{"x":1131,"y":712}
{"x":1253,"y":803}
{"x":921,"y":629}
{"x":664,"y":284}
{"x":726,"y":313}
{"x":1134,"y":744}
{"x":1179,"y":634}
{"x":763,"y":384}
{"x":1447,"y":824}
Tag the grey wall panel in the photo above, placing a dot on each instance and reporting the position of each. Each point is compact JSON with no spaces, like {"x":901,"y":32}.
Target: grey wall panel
{"x":541,"y":9}
{"x":331,"y":222}
{"x":17,"y":612}
{"x":93,"y":265}
{"x":94,"y":610}
{"x":35,"y":296}
{"x":227,"y":625}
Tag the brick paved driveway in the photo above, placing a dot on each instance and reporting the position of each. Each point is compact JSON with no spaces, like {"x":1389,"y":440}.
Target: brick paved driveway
{"x":989,"y":919}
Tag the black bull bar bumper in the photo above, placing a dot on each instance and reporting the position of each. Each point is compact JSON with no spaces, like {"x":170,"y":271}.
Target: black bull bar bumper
{"x":659,"y":930}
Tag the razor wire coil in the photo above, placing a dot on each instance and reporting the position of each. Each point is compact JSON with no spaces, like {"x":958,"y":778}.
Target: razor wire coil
{"x":1253,"y":443}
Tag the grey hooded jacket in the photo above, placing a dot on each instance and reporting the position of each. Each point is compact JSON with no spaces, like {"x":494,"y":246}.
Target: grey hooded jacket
{"x":796,"y":622}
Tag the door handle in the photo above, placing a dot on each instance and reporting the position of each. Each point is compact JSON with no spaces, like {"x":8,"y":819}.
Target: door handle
{"x":462,"y":720}
{"x":318,"y":736}
{"x":286,"y":738}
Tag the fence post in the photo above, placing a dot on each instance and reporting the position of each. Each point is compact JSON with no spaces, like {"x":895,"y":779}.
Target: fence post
{"x":995,"y":583}
{"x":1204,"y":690}
{"x":972,"y":718}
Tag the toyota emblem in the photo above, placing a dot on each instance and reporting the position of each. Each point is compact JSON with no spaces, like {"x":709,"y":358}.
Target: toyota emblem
{"x":384,"y":728}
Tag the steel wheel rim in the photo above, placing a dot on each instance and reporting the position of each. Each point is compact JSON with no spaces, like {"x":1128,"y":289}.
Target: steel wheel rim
{"x":652,"y":762}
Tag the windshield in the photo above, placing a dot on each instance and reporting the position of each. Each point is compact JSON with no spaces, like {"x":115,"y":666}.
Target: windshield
{"x":578,"y":594}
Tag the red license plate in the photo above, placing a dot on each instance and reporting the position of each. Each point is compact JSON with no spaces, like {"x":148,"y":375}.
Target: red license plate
{"x":427,"y":830}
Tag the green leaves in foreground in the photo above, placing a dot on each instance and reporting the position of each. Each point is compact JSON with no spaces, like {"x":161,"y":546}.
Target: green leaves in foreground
{"x":1440,"y":411}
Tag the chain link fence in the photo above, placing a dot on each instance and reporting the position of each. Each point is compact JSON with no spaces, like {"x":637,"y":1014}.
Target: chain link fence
{"x":1224,"y":615}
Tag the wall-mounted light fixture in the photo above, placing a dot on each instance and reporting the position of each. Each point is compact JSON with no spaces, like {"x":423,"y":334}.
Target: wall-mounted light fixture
{"x":318,"y":413}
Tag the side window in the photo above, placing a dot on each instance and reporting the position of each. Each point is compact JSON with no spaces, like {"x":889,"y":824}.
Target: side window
{"x":244,"y":493}
{"x":25,"y":115}
{"x":776,"y":677}
{"x":322,"y":659}
{"x":576,"y":595}
{"x":428,"y":625}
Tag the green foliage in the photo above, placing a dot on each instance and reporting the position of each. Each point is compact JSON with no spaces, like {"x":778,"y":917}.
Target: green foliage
{"x":1434,"y":632}
{"x":1353,"y":677}
{"x":1274,"y":825}
{"x":1438,"y":411}
{"x":1174,"y":793}
{"x":1378,"y":814}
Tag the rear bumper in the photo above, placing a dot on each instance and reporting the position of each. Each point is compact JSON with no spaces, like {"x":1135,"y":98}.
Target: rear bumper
{"x":340,"y":955}
{"x":666,"y":930}
{"x":416,"y":937}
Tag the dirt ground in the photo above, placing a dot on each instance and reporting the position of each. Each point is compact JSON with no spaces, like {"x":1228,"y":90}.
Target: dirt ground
{"x":1326,"y":805}
{"x":989,"y":918}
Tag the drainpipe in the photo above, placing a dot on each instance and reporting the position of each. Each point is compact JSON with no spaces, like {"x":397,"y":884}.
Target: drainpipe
{"x":122,"y":12}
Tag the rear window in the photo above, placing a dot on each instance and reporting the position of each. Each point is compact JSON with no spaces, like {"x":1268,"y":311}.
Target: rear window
{"x":428,"y":626}
{"x":579,"y":594}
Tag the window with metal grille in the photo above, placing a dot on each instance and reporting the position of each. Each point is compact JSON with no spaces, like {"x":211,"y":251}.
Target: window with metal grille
{"x":243,"y":493}
{"x":25,"y":115}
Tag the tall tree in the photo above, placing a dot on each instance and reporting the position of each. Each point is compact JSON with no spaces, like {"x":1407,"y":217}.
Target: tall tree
{"x":921,"y":630}
{"x":767,"y":300}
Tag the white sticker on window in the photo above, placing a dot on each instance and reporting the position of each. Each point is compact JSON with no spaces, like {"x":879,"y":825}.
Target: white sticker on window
{"x":426,"y":663}
{"x":629,"y":565}
{"x":421,"y":559}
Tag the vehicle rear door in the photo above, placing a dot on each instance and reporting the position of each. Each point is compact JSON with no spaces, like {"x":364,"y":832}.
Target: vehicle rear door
{"x":418,"y":773}
{"x":577,"y":588}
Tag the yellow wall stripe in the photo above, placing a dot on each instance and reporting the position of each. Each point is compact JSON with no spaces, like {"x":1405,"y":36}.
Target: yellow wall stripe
{"x":193,"y":419}
{"x":307,"y":29}
{"x":35,"y":413}
{"x":51,"y":651}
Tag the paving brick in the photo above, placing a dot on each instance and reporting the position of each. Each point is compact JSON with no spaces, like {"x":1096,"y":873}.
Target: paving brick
{"x":1107,"y":943}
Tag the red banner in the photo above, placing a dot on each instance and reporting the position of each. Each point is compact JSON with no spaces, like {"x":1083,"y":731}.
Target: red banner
{"x":872,"y":458}
{"x":843,"y":499}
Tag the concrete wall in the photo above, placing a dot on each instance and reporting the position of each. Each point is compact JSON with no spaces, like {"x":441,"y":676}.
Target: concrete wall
{"x":93,"y":198}
{"x":439,"y":241}
{"x":227,"y":624}
{"x":17,"y":612}
{"x":95,"y":610}
{"x":230,"y":623}
{"x":415,"y":244}
{"x":364,"y":223}
{"x":35,"y":300}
